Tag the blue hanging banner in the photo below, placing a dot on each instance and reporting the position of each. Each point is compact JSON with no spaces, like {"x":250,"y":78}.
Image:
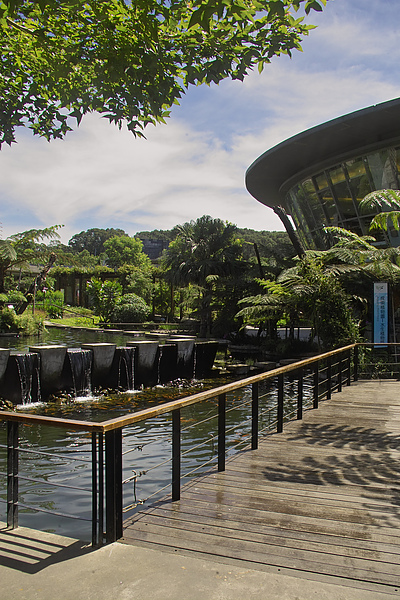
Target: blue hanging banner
{"x":381,"y":311}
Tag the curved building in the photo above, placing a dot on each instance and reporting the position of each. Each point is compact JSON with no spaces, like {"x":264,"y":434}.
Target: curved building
{"x":319,"y":176}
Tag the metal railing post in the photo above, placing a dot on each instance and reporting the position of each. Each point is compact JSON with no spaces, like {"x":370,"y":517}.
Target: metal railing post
{"x":348,"y":361}
{"x":279,"y":425}
{"x":329,"y":379}
{"x":101,"y":489}
{"x":95,"y":491}
{"x":176,"y":454}
{"x":221,"y":431}
{"x":254,"y":416}
{"x":12,"y":474}
{"x":300,"y":394}
{"x":113,"y":485}
{"x":316,"y":385}
{"x":356,"y":363}
{"x":340,"y":368}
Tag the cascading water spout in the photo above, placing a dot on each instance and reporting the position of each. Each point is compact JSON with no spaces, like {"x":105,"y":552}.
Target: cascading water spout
{"x":28,"y":366}
{"x":78,"y":370}
{"x":126,"y":368}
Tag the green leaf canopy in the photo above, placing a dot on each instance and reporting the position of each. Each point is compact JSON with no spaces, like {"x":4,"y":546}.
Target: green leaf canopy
{"x":130,"y":61}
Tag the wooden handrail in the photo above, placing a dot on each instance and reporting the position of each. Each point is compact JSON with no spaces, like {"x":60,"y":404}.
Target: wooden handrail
{"x":71,"y":424}
{"x":166,"y":407}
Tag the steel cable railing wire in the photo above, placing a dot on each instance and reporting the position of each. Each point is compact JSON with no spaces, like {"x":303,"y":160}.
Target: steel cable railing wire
{"x":268,"y":407}
{"x":204,"y":443}
{"x":65,"y":458}
{"x":186,"y":452}
{"x":51,"y":454}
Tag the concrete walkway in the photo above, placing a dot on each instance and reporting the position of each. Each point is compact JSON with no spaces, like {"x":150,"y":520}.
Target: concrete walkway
{"x":42,"y":566}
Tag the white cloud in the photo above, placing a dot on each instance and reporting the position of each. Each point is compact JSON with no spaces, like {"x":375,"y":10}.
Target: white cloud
{"x":102,"y":177}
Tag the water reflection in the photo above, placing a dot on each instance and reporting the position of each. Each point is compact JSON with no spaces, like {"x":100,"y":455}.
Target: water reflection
{"x":72,"y":338}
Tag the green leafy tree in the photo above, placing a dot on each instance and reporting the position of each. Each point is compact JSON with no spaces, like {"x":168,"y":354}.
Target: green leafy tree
{"x":92,"y":240}
{"x":137,"y":281}
{"x":21,"y":249}
{"x":327,"y":284}
{"x":125,"y":250}
{"x":105,"y":296}
{"x":307,"y":293}
{"x":130,"y":61}
{"x":205,"y":253}
{"x":355,"y":260}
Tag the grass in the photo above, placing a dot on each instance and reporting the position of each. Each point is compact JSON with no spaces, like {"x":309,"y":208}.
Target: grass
{"x":76,"y":321}
{"x":76,"y":317}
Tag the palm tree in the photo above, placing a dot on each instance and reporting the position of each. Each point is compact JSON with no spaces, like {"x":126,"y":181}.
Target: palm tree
{"x":306,"y":292}
{"x":387,"y":202}
{"x":204,"y":253}
{"x":20,"y":249}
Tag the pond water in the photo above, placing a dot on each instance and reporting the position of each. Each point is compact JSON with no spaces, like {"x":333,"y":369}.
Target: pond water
{"x":73,"y":338}
{"x":146,"y":445}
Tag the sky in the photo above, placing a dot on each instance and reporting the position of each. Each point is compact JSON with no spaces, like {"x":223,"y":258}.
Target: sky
{"x":100,"y":176}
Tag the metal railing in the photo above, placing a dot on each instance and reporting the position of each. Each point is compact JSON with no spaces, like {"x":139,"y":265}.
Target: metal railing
{"x":319,"y":375}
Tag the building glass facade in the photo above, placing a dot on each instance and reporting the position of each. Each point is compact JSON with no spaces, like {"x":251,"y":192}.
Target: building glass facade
{"x":331,"y":197}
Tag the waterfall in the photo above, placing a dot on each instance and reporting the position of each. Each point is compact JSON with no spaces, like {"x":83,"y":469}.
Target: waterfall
{"x":126,"y":368}
{"x":80,"y":363}
{"x":28,"y":366}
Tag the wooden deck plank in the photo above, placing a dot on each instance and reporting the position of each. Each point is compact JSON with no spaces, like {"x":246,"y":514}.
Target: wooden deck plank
{"x":322,"y":497}
{"x":326,"y":526}
{"x":305,"y":543}
{"x":350,"y":538}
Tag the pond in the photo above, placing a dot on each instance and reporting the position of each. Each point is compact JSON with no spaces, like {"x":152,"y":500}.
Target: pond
{"x":64,"y":457}
{"x":70,"y":337}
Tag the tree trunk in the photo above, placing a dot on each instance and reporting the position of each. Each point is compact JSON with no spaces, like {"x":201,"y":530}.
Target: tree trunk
{"x":36,"y":285}
{"x":294,"y":238}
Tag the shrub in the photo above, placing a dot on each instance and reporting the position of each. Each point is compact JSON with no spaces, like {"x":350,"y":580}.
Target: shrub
{"x":53,"y":303}
{"x":29,"y":324}
{"x":104,"y":296}
{"x":130,"y":309}
{"x":8,"y":320}
{"x":15,"y":297}
{"x":25,"y":324}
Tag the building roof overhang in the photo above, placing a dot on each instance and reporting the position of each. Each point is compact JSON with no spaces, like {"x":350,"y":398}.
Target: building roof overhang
{"x":274,"y":172}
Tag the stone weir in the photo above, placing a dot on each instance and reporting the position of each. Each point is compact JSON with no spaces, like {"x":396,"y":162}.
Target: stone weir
{"x":45,"y":370}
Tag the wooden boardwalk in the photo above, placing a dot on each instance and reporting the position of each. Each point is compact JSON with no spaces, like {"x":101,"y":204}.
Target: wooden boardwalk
{"x":320,"y":500}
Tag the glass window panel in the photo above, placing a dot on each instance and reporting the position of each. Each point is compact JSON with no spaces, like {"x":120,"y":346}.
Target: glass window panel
{"x":313,"y":201}
{"x":308,"y":186}
{"x":383,"y":167}
{"x":344,"y":200}
{"x":299,"y":219}
{"x":337,"y":175}
{"x":398,"y":162}
{"x":359,"y":180}
{"x":321,"y":181}
{"x":304,"y":205}
{"x":329,"y":206}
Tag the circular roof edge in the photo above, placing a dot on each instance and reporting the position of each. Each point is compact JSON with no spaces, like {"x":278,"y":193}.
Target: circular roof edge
{"x":328,"y":143}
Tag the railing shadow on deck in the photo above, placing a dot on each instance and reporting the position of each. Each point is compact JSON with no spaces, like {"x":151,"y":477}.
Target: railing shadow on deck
{"x":30,"y":554}
{"x":314,"y":379}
